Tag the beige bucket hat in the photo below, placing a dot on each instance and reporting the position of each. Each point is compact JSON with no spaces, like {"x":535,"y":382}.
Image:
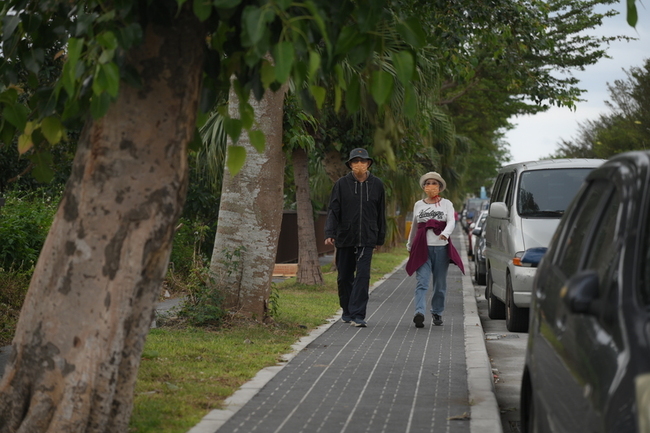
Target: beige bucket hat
{"x":435,"y":176}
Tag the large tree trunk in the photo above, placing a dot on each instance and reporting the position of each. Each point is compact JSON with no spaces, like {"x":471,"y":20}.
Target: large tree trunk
{"x":90,"y":303}
{"x":308,"y":264}
{"x":250,"y":214}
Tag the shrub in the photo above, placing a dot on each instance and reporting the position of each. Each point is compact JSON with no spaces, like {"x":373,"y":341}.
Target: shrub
{"x":14,"y":284}
{"x":24,"y":223}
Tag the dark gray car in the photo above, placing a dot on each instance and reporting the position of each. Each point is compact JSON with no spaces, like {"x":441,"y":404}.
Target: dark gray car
{"x":588,"y":354}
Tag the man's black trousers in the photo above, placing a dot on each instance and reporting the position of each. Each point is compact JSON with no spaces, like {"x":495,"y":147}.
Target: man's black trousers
{"x":353,"y":265}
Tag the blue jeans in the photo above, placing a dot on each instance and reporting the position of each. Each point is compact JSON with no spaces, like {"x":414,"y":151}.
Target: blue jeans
{"x":437,"y":265}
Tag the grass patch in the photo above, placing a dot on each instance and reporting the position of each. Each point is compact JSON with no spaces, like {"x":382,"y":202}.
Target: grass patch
{"x":185,"y":373}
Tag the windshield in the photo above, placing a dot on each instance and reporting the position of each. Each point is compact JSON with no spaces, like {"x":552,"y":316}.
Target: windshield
{"x":547,"y":193}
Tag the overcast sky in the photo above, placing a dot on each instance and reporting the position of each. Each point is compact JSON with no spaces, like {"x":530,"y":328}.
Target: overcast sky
{"x":537,"y":136}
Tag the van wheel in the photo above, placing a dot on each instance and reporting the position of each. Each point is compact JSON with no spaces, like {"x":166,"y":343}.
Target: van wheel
{"x":496,"y":308}
{"x":516,"y":318}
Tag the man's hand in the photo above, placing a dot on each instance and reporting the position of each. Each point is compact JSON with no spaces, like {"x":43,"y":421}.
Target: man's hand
{"x":329,"y":241}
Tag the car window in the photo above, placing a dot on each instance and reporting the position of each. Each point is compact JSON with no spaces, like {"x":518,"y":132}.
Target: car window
{"x":579,"y":227}
{"x":547,"y":193}
{"x":502,"y":187}
{"x":600,"y":253}
{"x":495,"y":188}
{"x":508,"y":190}
{"x":644,"y":287}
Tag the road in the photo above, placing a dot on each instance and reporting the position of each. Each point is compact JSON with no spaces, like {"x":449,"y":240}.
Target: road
{"x":507,"y":352}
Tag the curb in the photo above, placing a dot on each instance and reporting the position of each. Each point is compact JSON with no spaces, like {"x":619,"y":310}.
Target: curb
{"x":485,"y":414}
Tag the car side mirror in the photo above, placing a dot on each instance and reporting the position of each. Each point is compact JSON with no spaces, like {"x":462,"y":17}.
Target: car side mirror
{"x":580,"y":293}
{"x":477,"y":232}
{"x":498,"y":210}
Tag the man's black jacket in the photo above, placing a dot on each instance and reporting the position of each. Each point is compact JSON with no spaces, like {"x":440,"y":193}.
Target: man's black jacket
{"x":357,"y":212}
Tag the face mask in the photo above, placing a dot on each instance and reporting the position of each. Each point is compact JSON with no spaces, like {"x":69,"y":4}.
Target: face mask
{"x":359,"y":169}
{"x":431,"y":190}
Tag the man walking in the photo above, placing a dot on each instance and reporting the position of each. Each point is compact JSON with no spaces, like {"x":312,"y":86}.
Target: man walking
{"x":356,"y":224}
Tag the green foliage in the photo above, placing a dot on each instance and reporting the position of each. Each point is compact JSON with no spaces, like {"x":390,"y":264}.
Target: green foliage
{"x":625,"y":128}
{"x":241,"y":36}
{"x":274,"y":302}
{"x":14,"y":284}
{"x":203,"y":304}
{"x":24,"y":223}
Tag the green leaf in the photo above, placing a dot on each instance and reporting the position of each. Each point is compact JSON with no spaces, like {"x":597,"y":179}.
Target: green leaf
{"x":52,"y":129}
{"x":67,"y":79}
{"x":111,"y":74}
{"x":24,"y":143}
{"x":202,"y":9}
{"x":7,"y":133}
{"x":257,"y":140}
{"x":353,"y":95}
{"x":43,"y":162}
{"x":9,"y":96}
{"x":284,"y":4}
{"x":75,"y":46}
{"x":320,"y":23}
{"x":283,"y":55}
{"x":247,"y":115}
{"x":235,"y":159}
{"x":340,"y":77}
{"x":411,"y":31}
{"x":338,"y":96}
{"x":226,"y":4}
{"x":349,"y":37}
{"x":632,"y":14}
{"x":33,"y":59}
{"x":99,"y":105}
{"x":267,"y":73}
{"x":410,"y":101}
{"x":314,"y":65}
{"x":318,"y":93}
{"x":16,"y":114}
{"x":381,"y":86}
{"x":233,"y":128}
{"x":253,"y":21}
{"x":107,"y":40}
{"x":404,"y":66}
{"x":9,"y":24}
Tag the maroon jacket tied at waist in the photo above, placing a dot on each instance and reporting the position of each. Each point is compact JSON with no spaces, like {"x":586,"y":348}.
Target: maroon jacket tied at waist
{"x":420,"y":250}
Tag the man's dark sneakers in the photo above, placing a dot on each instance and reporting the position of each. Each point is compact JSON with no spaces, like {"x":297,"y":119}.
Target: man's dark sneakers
{"x":359,"y":323}
{"x":437,"y":319}
{"x":346,"y":319}
{"x":419,"y":320}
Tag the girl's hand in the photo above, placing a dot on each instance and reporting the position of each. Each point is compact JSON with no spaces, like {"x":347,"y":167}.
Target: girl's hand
{"x":443,"y":237}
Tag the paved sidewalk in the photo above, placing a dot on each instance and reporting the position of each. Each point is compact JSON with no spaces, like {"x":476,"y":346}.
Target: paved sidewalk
{"x":388,"y":377}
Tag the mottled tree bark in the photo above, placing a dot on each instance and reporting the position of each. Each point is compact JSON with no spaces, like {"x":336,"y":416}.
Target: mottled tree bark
{"x":250,"y":214}
{"x":91,"y":300}
{"x":308,"y":265}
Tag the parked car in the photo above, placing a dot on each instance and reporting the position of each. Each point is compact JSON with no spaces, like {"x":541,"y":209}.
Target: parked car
{"x":473,"y":233}
{"x":478,"y":234}
{"x":527,"y":203}
{"x":587,"y":365}
{"x":471,"y":209}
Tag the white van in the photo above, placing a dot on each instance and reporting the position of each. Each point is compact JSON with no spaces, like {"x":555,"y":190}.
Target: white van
{"x":528,"y":200}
